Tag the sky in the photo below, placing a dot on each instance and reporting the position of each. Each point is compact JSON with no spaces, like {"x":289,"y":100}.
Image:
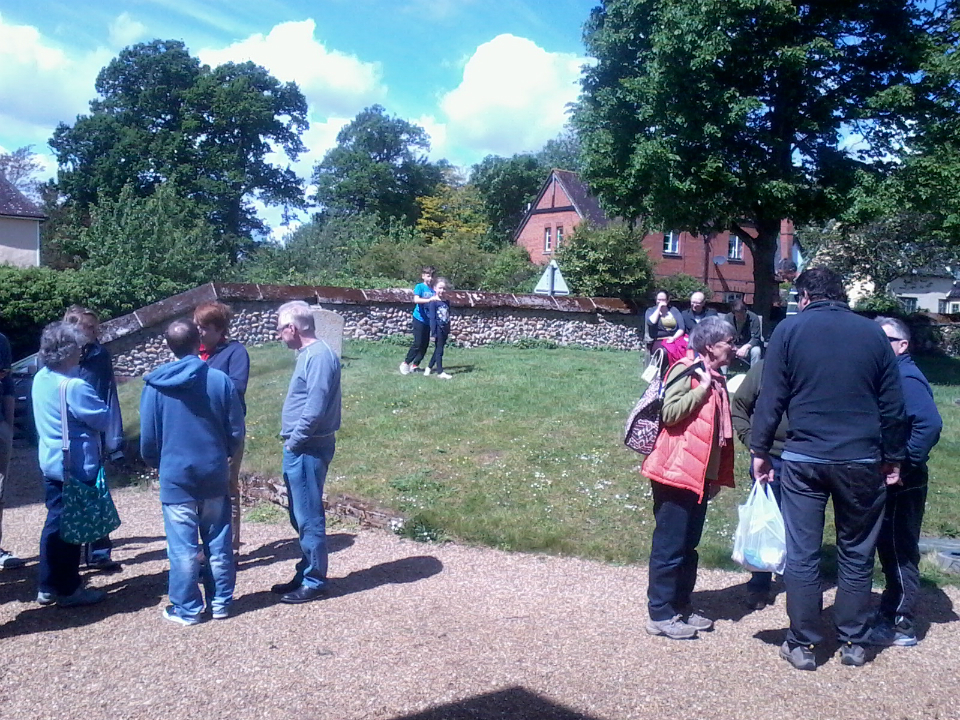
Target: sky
{"x":480,"y":76}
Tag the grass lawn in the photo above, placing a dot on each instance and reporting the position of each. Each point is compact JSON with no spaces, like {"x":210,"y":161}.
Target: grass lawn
{"x":522,"y":450}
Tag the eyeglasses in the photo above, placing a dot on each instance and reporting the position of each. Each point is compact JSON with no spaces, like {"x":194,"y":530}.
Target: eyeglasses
{"x":891,"y":338}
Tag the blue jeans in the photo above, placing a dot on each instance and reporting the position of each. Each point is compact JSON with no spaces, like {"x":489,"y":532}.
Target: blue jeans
{"x":761,"y":582}
{"x":182,"y":523}
{"x":304,"y":475}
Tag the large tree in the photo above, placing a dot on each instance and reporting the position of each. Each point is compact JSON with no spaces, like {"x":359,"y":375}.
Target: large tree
{"x":379,"y":166}
{"x":714,"y":115}
{"x":161,"y":117}
{"x":507,"y":185}
{"x":20,"y":167}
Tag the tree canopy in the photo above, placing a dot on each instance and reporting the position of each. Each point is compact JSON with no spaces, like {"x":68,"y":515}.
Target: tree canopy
{"x":162,"y":117}
{"x":506,"y":186}
{"x":379,"y":166}
{"x":707,"y":116}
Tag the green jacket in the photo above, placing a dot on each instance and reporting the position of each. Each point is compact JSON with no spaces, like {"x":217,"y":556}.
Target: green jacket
{"x":741,"y":408}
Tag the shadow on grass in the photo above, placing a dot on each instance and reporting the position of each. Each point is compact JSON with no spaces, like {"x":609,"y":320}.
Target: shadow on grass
{"x":405,"y":570}
{"x":516,"y":703}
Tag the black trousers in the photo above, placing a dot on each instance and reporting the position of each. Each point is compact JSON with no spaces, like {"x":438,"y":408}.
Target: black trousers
{"x":439,"y":343}
{"x":59,"y":560}
{"x":858,"y":492}
{"x":421,"y":339}
{"x":899,"y":544}
{"x":673,"y":550}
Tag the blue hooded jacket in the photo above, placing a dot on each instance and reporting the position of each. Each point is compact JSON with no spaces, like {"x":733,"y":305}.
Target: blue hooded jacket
{"x":191,"y":421}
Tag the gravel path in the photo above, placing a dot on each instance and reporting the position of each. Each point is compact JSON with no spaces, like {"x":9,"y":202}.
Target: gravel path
{"x":428,"y":632}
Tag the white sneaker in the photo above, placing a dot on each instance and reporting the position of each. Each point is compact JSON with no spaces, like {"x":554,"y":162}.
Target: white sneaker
{"x":426,"y":372}
{"x":445,"y":376}
{"x":404,"y":369}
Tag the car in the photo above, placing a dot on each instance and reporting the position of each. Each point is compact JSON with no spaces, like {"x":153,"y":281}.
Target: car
{"x":22,"y":373}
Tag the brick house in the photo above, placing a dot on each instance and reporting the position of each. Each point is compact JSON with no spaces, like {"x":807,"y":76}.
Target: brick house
{"x":720,"y":260}
{"x":19,"y":227}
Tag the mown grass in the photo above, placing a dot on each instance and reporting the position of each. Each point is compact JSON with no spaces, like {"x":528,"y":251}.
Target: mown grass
{"x":521,"y":450}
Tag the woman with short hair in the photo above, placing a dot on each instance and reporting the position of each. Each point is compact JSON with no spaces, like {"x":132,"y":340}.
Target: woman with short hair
{"x":61,"y":345}
{"x":230,"y":357}
{"x":691,"y":459}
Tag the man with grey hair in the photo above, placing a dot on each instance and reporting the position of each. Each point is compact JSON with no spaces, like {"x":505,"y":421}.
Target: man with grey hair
{"x":309,"y":421}
{"x":898,"y":545}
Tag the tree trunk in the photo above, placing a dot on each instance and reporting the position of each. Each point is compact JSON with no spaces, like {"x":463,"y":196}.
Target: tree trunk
{"x":765,"y":249}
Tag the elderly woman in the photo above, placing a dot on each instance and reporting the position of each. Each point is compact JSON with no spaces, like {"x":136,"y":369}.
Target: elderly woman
{"x":228,"y":356}
{"x":665,"y":327}
{"x":87,"y":416}
{"x":691,"y":459}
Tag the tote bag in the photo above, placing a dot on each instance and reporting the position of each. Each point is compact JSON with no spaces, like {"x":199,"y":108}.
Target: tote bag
{"x":88,"y":510}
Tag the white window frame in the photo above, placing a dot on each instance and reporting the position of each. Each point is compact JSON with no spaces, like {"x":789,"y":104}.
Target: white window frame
{"x":735,"y":248}
{"x":955,"y":308}
{"x":671,"y":243}
{"x":729,"y":297}
{"x":547,"y":242}
{"x":559,"y":236}
{"x":909,"y":304}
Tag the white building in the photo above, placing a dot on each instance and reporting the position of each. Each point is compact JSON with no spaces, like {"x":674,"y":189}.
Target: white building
{"x":19,"y":227}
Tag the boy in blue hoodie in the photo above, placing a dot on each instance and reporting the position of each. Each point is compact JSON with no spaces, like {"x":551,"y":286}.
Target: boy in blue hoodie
{"x":191,"y":421}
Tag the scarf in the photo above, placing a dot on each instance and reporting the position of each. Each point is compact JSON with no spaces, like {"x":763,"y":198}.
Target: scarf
{"x":204,"y":353}
{"x":719,"y":383}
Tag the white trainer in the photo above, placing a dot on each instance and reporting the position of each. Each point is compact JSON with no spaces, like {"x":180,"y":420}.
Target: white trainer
{"x":445,"y":376}
{"x":405,"y":369}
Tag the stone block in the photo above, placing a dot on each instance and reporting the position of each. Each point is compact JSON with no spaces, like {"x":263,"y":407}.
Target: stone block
{"x":329,"y":328}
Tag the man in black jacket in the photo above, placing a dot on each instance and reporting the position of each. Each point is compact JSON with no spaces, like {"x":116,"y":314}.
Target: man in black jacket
{"x":899,"y":544}
{"x":835,"y":375}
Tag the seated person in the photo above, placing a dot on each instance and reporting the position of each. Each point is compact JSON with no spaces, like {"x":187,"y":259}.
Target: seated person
{"x":697,"y":312}
{"x":747,"y":340}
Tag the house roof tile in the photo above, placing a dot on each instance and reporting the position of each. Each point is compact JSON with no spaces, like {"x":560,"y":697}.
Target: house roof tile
{"x":584,"y":201}
{"x":14,"y":203}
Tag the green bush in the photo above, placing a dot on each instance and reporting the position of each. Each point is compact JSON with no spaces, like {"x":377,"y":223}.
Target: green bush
{"x":606,"y":262}
{"x":681,"y":286}
{"x":880,"y":303}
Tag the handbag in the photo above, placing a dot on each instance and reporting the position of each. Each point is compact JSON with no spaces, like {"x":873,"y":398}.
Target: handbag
{"x":653,"y":367}
{"x":643,"y":422}
{"x":759,"y":544}
{"x":88,"y":510}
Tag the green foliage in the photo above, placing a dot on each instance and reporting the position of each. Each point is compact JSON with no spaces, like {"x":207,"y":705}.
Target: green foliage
{"x":510,"y":270}
{"x":880,"y":303}
{"x":507,"y":186}
{"x":162,"y":117}
{"x":563,"y":152}
{"x":145,"y":249}
{"x":606,"y":262}
{"x":379,"y":166}
{"x":682,"y":286}
{"x":702,"y":115}
{"x":20,"y":167}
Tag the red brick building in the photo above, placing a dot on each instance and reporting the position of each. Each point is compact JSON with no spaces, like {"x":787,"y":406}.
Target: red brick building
{"x":720,"y":260}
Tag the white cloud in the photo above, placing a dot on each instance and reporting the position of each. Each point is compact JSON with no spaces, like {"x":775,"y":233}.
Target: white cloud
{"x":333,"y":82}
{"x":321,"y":137}
{"x":439,"y":148}
{"x":40,"y":85}
{"x":513,"y":98}
{"x":124,"y":30}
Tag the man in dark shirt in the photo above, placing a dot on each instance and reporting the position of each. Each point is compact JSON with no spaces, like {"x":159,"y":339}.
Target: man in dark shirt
{"x":8,"y":560}
{"x":835,"y":375}
{"x":899,"y":544}
{"x":698,"y":311}
{"x":748,"y":340}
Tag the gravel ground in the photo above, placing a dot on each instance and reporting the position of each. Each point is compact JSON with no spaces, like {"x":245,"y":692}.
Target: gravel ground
{"x":427,"y":632}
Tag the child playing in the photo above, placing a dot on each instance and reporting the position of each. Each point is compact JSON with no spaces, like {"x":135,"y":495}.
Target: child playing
{"x":422,"y":297}
{"x":439,"y":314}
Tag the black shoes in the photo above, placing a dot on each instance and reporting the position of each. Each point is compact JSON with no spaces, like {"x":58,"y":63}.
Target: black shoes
{"x":104,"y":565}
{"x":287,"y":587}
{"x":303,"y":594}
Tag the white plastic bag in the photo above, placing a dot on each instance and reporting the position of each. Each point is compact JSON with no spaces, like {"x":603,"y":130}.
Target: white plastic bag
{"x":760,"y":541}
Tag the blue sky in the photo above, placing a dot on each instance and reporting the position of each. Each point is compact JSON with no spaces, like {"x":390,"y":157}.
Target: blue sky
{"x":480,"y":76}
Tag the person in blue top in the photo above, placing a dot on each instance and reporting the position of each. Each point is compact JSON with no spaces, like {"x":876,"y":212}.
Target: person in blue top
{"x":438,"y":314}
{"x":422,"y":295}
{"x":191,"y":423}
{"x":898,"y":546}
{"x":61,"y":345}
{"x":230,"y":356}
{"x":96,"y":367}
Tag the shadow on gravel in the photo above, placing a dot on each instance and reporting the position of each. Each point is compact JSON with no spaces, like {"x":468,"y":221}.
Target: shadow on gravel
{"x":727,"y":604}
{"x":283,"y":550}
{"x":516,"y":703}
{"x":405,"y":570}
{"x":126,"y":595}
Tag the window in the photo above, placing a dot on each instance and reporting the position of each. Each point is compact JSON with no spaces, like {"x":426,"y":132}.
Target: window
{"x":942,"y":307}
{"x":955,"y":308}
{"x":735,"y":248}
{"x":729,"y":297}
{"x":909,"y":304}
{"x":547,"y":244}
{"x":671,"y":243}
{"x":559,"y":235}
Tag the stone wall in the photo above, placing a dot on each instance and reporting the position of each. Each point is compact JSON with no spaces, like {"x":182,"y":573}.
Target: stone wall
{"x":137,"y":345}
